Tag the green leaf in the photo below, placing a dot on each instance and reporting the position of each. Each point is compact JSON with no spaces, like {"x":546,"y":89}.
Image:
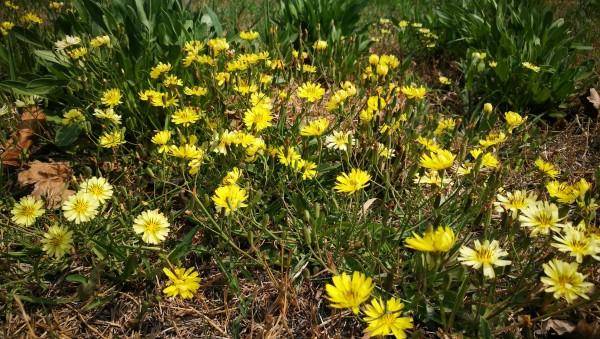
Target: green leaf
{"x":184,"y":245}
{"x":67,"y":135}
{"x":51,"y":57}
{"x":76,"y":278}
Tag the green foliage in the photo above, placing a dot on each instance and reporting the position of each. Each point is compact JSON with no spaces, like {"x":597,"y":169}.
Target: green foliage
{"x":511,"y":32}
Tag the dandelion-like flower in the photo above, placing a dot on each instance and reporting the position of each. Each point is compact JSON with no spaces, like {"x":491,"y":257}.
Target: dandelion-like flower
{"x":99,"y":188}
{"x":258,"y":117}
{"x":111,"y":97}
{"x":249,"y":35}
{"x":27,"y":210}
{"x":414,"y":92}
{"x":440,"y":240}
{"x":541,"y":217}
{"x":152,"y":225}
{"x":185,"y":116}
{"x":80,"y":207}
{"x":546,"y":168}
{"x":385,"y":318}
{"x":339,"y":140}
{"x":161,"y":138}
{"x":577,"y":243}
{"x":513,"y":120}
{"x":315,"y":128}
{"x":486,"y":255}
{"x":438,"y":160}
{"x":112,"y":139}
{"x":349,"y":292}
{"x":563,"y":280}
{"x":353,"y":182}
{"x":514,"y":201}
{"x":58,"y":240}
{"x":183,"y":282}
{"x":230,"y":198}
{"x":311,"y":91}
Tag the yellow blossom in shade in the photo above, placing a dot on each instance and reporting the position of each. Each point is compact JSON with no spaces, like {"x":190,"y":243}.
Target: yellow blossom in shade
{"x":97,"y":187}
{"x":288,"y":157}
{"x":375,"y":103}
{"x":339,"y":140}
{"x":195,"y":90}
{"x":230,"y":198}
{"x":78,"y":53}
{"x":172,"y":81}
{"x":384,"y":151}
{"x":563,"y":280}
{"x":99,"y":41}
{"x":414,"y":92}
{"x":320,"y":45}
{"x":258,"y":117}
{"x":183,"y":282}
{"x":111,"y":97}
{"x":232,"y":176}
{"x":493,"y":139}
{"x":438,"y":160}
{"x":353,"y":182}
{"x":431,"y":177}
{"x":185,"y":116}
{"x":486,"y":255}
{"x":161,"y":138}
{"x":540,"y":217}
{"x":159,"y":69}
{"x":488,"y":108}
{"x":108,"y":114}
{"x":57,"y":241}
{"x":531,"y":66}
{"x":27,"y":210}
{"x":513,"y":120}
{"x":315,"y":128}
{"x":577,"y":243}
{"x":6,"y":26}
{"x":186,"y":151}
{"x":112,"y":139}
{"x":546,"y":168}
{"x":152,"y":225}
{"x":565,"y":193}
{"x":218,"y":45}
{"x":311,"y":91}
{"x":80,"y":207}
{"x":430,"y":144}
{"x":440,"y":240}
{"x":489,"y":160}
{"x":385,"y":318}
{"x":249,"y":35}
{"x":514,"y":201}
{"x":349,"y":292}
{"x":444,"y":80}
{"x":443,"y":125}
{"x":33,"y":18}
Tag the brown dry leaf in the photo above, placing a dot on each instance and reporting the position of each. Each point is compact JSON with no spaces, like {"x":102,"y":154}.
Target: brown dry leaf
{"x":12,"y":151}
{"x":49,"y":180}
{"x":33,"y":115}
{"x":560,"y":326}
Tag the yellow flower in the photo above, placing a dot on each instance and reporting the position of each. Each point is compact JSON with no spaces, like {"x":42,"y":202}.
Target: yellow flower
{"x":349,"y":292}
{"x":489,"y":160}
{"x":385,"y":318}
{"x":414,"y":92}
{"x":320,"y":45}
{"x":353,"y":182}
{"x":430,"y":144}
{"x":438,"y":160}
{"x":230,"y":198}
{"x":492,"y":139}
{"x":152,"y":225}
{"x":488,"y":108}
{"x":384,"y":151}
{"x":577,"y":243}
{"x":249,"y":35}
{"x":172,"y":81}
{"x":57,"y":241}
{"x":218,"y":45}
{"x":159,"y":69}
{"x":443,"y":125}
{"x":98,"y":188}
{"x":486,"y":255}
{"x":80,"y":207}
{"x":311,"y":91}
{"x":108,"y":114}
{"x":546,"y":168}
{"x":315,"y":128}
{"x":531,"y":66}
{"x":6,"y":26}
{"x":195,"y":90}
{"x":514,"y":201}
{"x":112,"y":139}
{"x":258,"y":117}
{"x":33,"y":18}
{"x":339,"y":140}
{"x":566,"y":193}
{"x":100,"y":41}
{"x":440,"y":240}
{"x":563,"y":280}
{"x":27,"y":210}
{"x":513,"y":120}
{"x":186,"y":151}
{"x":182,"y":282}
{"x":185,"y":116}
{"x":444,"y":80}
{"x":431,"y":177}
{"x":232,"y":176}
{"x":78,"y":53}
{"x":541,"y":217}
{"x":161,"y":138}
{"x":111,"y":97}
{"x":289,"y":157}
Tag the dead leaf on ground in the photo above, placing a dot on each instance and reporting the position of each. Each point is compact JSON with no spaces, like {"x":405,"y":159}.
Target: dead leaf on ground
{"x":559,"y":326}
{"x":22,"y":139}
{"x":50,"y":180}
